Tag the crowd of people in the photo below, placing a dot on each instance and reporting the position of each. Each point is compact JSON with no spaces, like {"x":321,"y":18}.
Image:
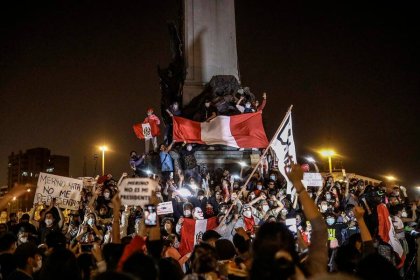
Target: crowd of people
{"x":250,"y":226}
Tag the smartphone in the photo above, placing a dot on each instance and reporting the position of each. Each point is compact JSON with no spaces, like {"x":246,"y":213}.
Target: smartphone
{"x":86,"y":247}
{"x":291,"y":224}
{"x":150,"y":215}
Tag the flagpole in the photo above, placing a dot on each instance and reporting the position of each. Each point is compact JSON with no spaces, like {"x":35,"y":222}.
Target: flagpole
{"x":269,"y":145}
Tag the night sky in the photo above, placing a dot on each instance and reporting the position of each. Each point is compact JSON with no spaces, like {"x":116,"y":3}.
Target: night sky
{"x":77,"y":74}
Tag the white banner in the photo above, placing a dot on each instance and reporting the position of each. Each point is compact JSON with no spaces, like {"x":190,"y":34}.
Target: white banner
{"x":165,"y":208}
{"x":65,"y":190}
{"x":312,"y":179}
{"x":136,"y":191}
{"x":284,"y":147}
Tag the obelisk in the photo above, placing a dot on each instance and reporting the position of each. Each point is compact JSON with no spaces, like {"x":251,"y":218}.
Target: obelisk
{"x":209,"y":42}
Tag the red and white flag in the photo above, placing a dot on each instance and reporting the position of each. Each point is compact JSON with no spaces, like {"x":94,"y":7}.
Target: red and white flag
{"x":240,"y":131}
{"x":387,"y":232}
{"x":192,"y":232}
{"x":147,"y":129}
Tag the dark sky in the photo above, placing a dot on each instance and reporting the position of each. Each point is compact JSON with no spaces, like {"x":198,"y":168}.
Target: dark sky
{"x":78,"y":74}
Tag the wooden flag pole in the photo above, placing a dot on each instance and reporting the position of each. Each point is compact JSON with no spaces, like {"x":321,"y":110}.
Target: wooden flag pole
{"x":266,"y":150}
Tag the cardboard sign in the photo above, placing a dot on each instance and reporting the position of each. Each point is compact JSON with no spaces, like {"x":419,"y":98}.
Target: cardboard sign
{"x":147,"y":130}
{"x":65,"y":190}
{"x":136,"y":191}
{"x":312,"y":179}
{"x":165,"y":208}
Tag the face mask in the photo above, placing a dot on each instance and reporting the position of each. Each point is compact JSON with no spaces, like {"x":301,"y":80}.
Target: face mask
{"x":23,"y":239}
{"x":167,"y":227}
{"x":48,"y":222}
{"x":200,"y":197}
{"x":404,"y":214}
{"x":330,"y":221}
{"x":189,"y":148}
{"x":176,"y":244}
{"x":149,"y":113}
{"x":106,"y":195}
{"x":187,"y":213}
{"x":247,"y":214}
{"x":90,"y":222}
{"x":328,"y":197}
{"x":324,"y":208}
{"x":175,"y":107}
{"x":252,"y":195}
{"x":266,"y":208}
{"x":38,"y":266}
{"x":284,"y":212}
{"x":272,"y":177}
{"x":234,"y":196}
{"x":259,"y":187}
{"x":207,"y":105}
{"x":198,"y":215}
{"x":209,"y":211}
{"x":247,"y":105}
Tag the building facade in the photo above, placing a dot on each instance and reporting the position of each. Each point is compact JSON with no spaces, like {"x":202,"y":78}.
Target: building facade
{"x":24,"y":169}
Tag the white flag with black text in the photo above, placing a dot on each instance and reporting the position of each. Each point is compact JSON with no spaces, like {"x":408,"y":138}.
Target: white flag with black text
{"x":284,"y":147}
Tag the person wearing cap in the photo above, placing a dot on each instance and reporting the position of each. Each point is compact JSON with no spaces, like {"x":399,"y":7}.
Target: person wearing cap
{"x":24,"y":222}
{"x":154,"y":123}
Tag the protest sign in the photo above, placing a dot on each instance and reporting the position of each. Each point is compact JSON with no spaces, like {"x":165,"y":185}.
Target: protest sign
{"x":165,"y":208}
{"x":65,"y":190}
{"x":312,"y":179}
{"x":136,"y":191}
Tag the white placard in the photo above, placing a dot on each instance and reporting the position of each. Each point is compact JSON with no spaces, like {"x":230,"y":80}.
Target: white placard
{"x":65,"y":190}
{"x":165,"y":208}
{"x":312,"y":179}
{"x":136,"y":191}
{"x":147,"y":130}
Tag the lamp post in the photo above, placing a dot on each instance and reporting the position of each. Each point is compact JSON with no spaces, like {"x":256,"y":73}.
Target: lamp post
{"x":329,"y":154}
{"x":103,"y":149}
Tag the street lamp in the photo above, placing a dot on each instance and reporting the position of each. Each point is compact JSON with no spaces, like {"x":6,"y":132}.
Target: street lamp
{"x":242,"y":164}
{"x":103,"y":149}
{"x":390,"y":178}
{"x":329,"y":154}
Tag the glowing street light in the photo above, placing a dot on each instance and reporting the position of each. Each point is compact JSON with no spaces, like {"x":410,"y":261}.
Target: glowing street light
{"x":391,"y":178}
{"x":103,"y":149}
{"x":329,"y":154}
{"x":242,"y":164}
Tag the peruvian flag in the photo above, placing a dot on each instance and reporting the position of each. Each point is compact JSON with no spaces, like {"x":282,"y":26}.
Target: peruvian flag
{"x":240,"y":131}
{"x":192,"y":231}
{"x":387,"y":233}
{"x":147,"y":129}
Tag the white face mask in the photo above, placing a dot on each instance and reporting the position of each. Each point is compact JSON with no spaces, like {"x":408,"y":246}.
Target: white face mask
{"x":259,"y":187}
{"x":284,"y":212}
{"x":266,"y":208}
{"x":324,"y":208}
{"x":106,"y":195}
{"x":252,"y":195}
{"x":149,"y":113}
{"x":175,"y":106}
{"x":187,"y":213}
{"x":273,"y":177}
{"x":48,"y":222}
{"x":207,"y":104}
{"x":328,"y":196}
{"x":23,"y":239}
{"x":38,"y":265}
{"x":247,"y":105}
{"x":330,"y":221}
{"x":91,"y":222}
{"x":200,"y":197}
{"x":176,"y":244}
{"x":167,"y":227}
{"x":198,"y":215}
{"x":189,"y":148}
{"x":404,"y":214}
{"x":247,"y":214}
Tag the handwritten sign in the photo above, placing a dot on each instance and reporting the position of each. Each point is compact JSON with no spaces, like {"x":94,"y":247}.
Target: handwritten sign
{"x":312,"y":179}
{"x":136,"y":191}
{"x":165,"y":208}
{"x":65,"y":190}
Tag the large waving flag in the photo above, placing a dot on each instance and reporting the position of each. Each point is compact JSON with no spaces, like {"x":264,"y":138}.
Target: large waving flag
{"x":283,"y":145}
{"x":387,"y":233}
{"x":192,"y":231}
{"x":240,"y":131}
